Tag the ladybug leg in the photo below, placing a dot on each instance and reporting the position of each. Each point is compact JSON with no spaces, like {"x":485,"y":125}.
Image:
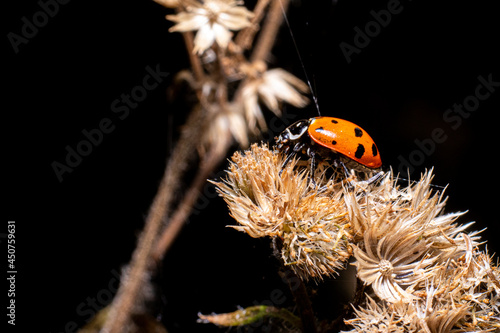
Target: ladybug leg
{"x":368,"y":182}
{"x":312,"y":166}
{"x":375,"y":178}
{"x":350,"y":185}
{"x":346,"y":171}
{"x":294,"y":151}
{"x":337,"y":163}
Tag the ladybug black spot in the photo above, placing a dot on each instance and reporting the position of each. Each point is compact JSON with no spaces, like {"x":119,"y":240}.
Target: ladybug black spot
{"x":358,"y":132}
{"x":334,"y":142}
{"x":334,"y":121}
{"x":374,"y":150}
{"x":360,"y":151}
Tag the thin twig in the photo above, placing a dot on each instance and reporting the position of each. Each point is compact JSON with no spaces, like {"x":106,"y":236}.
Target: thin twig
{"x":129,"y":291}
{"x":266,"y":38}
{"x":193,"y":58}
{"x":245,"y":37}
{"x":269,"y":31}
{"x":207,"y":166}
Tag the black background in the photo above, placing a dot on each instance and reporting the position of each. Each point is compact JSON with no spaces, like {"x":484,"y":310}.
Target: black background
{"x":73,"y":236}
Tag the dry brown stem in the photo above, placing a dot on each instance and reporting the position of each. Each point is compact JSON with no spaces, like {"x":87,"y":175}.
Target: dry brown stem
{"x":269,"y":31}
{"x":195,"y":60}
{"x":245,"y":37}
{"x":140,"y":265}
{"x":174,"y":226}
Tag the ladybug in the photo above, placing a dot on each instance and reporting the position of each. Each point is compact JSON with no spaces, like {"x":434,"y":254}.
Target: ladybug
{"x":329,"y":138}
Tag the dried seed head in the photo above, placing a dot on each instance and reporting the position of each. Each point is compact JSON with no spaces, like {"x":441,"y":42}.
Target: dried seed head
{"x":402,"y":235}
{"x":459,"y":296}
{"x":316,"y":236}
{"x":427,"y":274}
{"x":271,"y":87}
{"x":213,"y":20}
{"x":311,"y":223}
{"x":225,"y":123}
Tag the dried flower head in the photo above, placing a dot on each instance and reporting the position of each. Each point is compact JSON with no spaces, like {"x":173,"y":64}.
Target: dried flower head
{"x":230,"y":120}
{"x":461,"y":296}
{"x":271,"y":87}
{"x":470,"y":280}
{"x":425,"y":272}
{"x":380,"y":317}
{"x":311,"y":223}
{"x":404,"y":235}
{"x":226,"y":123}
{"x":213,"y":20}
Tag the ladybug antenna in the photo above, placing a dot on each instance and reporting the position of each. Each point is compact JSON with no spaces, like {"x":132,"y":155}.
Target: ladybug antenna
{"x":315,"y":99}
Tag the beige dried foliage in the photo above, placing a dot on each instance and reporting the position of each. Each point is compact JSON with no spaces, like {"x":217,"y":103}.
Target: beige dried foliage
{"x":213,"y":20}
{"x":424,"y":269}
{"x":311,"y":223}
{"x":225,"y":124}
{"x":460,"y":297}
{"x":272,"y":87}
{"x":402,"y":235}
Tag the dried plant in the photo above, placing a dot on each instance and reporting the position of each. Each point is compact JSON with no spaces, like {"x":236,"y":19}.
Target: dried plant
{"x":311,"y":223}
{"x":404,"y":236}
{"x":423,"y":271}
{"x":213,"y":20}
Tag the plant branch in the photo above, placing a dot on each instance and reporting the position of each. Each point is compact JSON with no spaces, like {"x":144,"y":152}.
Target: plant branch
{"x":129,"y":291}
{"x":266,"y":38}
{"x":174,"y":226}
{"x":269,"y":31}
{"x":193,"y":58}
{"x":245,"y":37}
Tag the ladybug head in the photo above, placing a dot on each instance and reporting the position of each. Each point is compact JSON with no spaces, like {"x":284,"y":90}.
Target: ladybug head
{"x":292,"y":134}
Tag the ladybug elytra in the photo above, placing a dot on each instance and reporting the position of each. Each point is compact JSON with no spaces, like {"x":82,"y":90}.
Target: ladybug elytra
{"x":329,"y":138}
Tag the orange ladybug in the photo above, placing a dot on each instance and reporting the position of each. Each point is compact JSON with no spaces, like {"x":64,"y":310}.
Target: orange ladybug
{"x":327,"y":138}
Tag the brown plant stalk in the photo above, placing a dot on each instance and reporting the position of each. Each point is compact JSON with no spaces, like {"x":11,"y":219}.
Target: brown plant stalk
{"x":193,"y":59}
{"x":140,"y":264}
{"x":245,"y":37}
{"x":267,"y":36}
{"x":269,"y":30}
{"x":180,"y":215}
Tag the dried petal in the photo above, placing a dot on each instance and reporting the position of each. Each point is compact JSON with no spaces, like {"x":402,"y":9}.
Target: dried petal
{"x":213,"y":19}
{"x":272,"y":87}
